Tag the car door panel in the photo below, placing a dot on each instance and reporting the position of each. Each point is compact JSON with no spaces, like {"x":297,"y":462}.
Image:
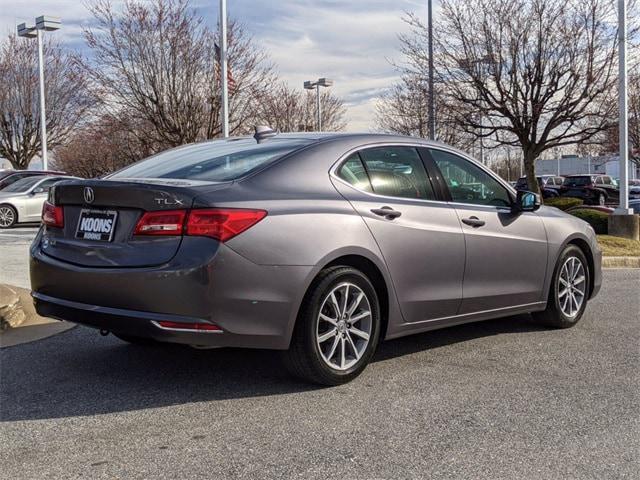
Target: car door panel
{"x":506,"y":251}
{"x":505,"y":261}
{"x":423,"y":247}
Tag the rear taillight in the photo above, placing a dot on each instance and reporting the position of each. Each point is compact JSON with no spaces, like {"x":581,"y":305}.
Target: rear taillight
{"x":219,"y":223}
{"x":222,"y":224}
{"x":52,"y":215}
{"x":168,"y":222}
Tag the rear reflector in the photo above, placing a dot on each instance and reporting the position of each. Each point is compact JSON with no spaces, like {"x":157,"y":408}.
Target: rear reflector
{"x":168,"y":222}
{"x":199,"y":327}
{"x":219,"y":223}
{"x":52,"y":215}
{"x":222,"y":224}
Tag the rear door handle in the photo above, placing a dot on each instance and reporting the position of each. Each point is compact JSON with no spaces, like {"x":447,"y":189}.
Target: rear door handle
{"x":473,"y":221}
{"x":386,"y":212}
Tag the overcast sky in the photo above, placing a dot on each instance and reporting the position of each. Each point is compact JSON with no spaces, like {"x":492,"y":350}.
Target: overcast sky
{"x":349,"y":41}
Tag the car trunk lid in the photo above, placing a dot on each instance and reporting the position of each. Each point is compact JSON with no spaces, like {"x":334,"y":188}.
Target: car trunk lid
{"x":100,"y":217}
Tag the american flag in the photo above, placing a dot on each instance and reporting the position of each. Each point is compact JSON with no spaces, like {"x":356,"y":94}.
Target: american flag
{"x":230,"y":80}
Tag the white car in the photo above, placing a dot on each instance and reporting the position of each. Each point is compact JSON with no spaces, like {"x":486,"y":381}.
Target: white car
{"x":21,"y":202}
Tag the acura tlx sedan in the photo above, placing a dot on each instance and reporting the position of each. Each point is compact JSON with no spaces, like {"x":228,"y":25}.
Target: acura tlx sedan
{"x":320,"y":245}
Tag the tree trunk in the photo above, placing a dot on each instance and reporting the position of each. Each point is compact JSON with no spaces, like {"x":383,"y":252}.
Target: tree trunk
{"x":530,"y":171}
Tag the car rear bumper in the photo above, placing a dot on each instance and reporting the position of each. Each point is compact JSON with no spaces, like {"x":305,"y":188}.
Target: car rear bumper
{"x":206,"y":282}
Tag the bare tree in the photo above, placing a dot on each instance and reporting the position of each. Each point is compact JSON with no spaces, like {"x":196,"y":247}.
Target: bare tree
{"x":541,"y":73}
{"x":403,"y":109}
{"x":291,"y":110}
{"x":65,"y":92}
{"x":155,"y":61}
{"x":113,"y":146}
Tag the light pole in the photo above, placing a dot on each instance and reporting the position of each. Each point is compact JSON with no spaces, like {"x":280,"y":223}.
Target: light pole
{"x":623,"y":207}
{"x":432,"y":103}
{"x":311,"y":85}
{"x":224,"y":110}
{"x":49,"y":24}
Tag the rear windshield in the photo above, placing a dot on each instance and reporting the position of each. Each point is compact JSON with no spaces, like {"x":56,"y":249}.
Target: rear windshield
{"x":577,"y":181}
{"x":23,"y":184}
{"x":211,"y":161}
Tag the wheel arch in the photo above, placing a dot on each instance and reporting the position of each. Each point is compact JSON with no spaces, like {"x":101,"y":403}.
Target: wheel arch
{"x":583,"y":245}
{"x":360,"y":260}
{"x":373,"y":273}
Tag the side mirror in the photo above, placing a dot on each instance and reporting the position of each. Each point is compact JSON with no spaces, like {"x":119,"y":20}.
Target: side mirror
{"x":527,"y":201}
{"x":39,"y":190}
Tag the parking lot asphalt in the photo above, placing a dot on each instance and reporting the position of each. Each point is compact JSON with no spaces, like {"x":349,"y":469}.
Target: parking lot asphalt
{"x":14,"y":255}
{"x":499,"y":399}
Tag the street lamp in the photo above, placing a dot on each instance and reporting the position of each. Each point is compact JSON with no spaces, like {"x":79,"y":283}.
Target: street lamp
{"x":49,"y":24}
{"x":310,"y":85}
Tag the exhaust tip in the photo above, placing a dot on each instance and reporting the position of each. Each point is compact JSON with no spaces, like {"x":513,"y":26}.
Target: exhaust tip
{"x":104,"y":332}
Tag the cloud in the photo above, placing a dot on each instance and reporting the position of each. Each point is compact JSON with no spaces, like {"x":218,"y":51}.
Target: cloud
{"x":348,"y":41}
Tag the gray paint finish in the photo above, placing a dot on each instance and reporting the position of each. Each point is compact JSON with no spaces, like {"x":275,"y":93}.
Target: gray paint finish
{"x":437,"y":270}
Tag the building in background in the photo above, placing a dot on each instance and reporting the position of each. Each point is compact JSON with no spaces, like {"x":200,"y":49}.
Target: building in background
{"x":575,"y":165}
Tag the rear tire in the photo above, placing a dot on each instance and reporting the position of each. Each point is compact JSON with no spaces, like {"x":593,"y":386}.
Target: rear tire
{"x":135,"y":340}
{"x":8,"y":216}
{"x":569,"y":291}
{"x":337,"y":329}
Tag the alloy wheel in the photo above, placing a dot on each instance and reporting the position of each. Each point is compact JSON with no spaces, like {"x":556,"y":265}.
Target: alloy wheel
{"x":7,"y":217}
{"x":572,"y":286}
{"x":344,"y":326}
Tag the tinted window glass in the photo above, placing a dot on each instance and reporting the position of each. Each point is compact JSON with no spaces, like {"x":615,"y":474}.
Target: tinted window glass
{"x":521,"y":184}
{"x":22,"y":185}
{"x":577,"y":181}
{"x":397,"y":172}
{"x":468,"y":183}
{"x":353,"y":172}
{"x":50,"y":182}
{"x":606,"y":180}
{"x":211,"y":161}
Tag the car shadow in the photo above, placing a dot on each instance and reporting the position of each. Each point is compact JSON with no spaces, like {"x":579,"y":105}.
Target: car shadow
{"x":79,"y":373}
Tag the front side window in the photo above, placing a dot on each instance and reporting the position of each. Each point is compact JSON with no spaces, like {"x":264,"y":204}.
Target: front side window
{"x":47,"y":184}
{"x":22,"y":185}
{"x":468,"y":183}
{"x":397,"y":172}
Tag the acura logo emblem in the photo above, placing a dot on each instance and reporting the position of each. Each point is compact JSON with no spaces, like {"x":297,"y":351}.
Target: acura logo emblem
{"x":88,"y":195}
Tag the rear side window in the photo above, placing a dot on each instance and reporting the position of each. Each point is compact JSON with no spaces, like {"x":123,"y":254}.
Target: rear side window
{"x":211,"y":161}
{"x":353,"y":172}
{"x":397,"y":172}
{"x":577,"y":181}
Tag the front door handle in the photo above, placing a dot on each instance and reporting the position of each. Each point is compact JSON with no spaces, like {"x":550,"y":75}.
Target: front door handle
{"x":473,"y":221}
{"x":386,"y":212}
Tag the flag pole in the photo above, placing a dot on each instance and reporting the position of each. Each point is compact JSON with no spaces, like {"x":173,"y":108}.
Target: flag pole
{"x":223,"y":69}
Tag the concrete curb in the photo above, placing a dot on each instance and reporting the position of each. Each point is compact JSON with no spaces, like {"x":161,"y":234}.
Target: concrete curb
{"x":26,"y":325}
{"x":620,"y":262}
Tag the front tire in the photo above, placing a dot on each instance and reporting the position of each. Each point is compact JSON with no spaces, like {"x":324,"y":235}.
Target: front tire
{"x":337,"y":329}
{"x":8,"y":216}
{"x":569,"y":290}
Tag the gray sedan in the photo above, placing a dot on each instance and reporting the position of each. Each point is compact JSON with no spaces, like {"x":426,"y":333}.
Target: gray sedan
{"x":319,"y":245}
{"x":21,"y":202}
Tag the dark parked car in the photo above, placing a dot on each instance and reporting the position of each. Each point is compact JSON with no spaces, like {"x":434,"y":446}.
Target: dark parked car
{"x":592,"y":189}
{"x":549,"y":185}
{"x":634,"y":189}
{"x":316,"y":244}
{"x":7,"y":177}
{"x":635,"y":205}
